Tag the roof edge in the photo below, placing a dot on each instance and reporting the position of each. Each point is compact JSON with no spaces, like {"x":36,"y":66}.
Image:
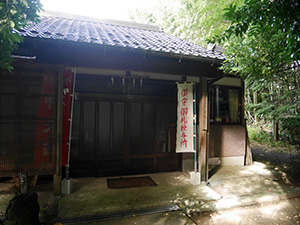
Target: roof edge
{"x":99,"y":20}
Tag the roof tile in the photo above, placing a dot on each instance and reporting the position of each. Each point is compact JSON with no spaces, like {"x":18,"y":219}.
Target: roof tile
{"x":75,"y":30}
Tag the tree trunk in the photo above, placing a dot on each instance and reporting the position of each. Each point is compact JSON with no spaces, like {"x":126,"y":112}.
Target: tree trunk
{"x":275,"y":131}
{"x":255,"y":102}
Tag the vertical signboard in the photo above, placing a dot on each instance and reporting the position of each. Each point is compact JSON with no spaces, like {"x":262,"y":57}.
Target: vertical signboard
{"x":185,"y":138}
{"x":45,"y":112}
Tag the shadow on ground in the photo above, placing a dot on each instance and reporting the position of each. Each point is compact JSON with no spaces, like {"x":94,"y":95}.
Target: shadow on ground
{"x":229,"y":188}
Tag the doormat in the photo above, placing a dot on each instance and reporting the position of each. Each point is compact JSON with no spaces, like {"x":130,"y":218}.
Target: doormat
{"x":130,"y":182}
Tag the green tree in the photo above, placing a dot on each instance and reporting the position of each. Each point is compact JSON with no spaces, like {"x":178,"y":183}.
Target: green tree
{"x":196,"y":20}
{"x":262,"y":45}
{"x":262,"y":17}
{"x":261,"y":41}
{"x":14,"y":14}
{"x":278,"y":85}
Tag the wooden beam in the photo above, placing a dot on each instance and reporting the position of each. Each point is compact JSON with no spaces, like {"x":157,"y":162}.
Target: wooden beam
{"x":248,"y":154}
{"x":97,"y":56}
{"x":57,"y":175}
{"x":203,"y":129}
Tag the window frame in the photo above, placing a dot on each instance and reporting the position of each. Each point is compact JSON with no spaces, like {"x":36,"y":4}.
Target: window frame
{"x":212,"y":102}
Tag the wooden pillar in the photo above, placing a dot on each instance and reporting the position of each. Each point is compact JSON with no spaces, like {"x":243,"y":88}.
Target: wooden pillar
{"x":57,"y":175}
{"x":203,"y":129}
{"x":248,"y":154}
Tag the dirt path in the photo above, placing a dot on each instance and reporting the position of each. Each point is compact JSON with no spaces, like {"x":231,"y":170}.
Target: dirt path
{"x":273,"y":157}
{"x":279,"y":212}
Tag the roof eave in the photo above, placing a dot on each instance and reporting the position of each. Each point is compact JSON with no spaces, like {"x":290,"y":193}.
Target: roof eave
{"x":94,"y":56}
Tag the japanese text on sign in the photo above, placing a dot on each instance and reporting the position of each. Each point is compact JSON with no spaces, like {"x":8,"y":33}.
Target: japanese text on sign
{"x":184,"y":142}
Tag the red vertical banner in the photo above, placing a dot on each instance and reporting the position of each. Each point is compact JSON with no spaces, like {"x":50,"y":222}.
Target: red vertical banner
{"x":67,"y":91}
{"x":185,"y":138}
{"x":42,"y":151}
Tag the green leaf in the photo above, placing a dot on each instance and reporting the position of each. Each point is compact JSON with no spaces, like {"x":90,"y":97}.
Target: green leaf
{"x":12,"y":24}
{"x":13,"y":12}
{"x":12,"y":17}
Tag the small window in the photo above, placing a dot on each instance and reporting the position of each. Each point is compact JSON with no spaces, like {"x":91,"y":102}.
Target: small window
{"x":225,"y":105}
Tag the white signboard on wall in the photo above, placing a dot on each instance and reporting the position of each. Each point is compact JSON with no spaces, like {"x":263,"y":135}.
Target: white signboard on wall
{"x":184,"y":138}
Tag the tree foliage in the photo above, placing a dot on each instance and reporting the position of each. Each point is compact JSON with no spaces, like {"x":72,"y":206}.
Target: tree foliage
{"x":14,"y":14}
{"x":261,"y":40}
{"x":196,"y":20}
{"x":262,"y":45}
{"x":259,"y":17}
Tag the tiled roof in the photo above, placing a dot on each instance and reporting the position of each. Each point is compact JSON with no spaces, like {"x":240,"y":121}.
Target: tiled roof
{"x":124,"y":35}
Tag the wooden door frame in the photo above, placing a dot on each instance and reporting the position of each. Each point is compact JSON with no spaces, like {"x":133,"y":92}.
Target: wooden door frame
{"x":127,"y":99}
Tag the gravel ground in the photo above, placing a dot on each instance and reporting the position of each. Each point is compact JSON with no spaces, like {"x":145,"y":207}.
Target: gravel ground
{"x":273,"y":157}
{"x":287,"y":163}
